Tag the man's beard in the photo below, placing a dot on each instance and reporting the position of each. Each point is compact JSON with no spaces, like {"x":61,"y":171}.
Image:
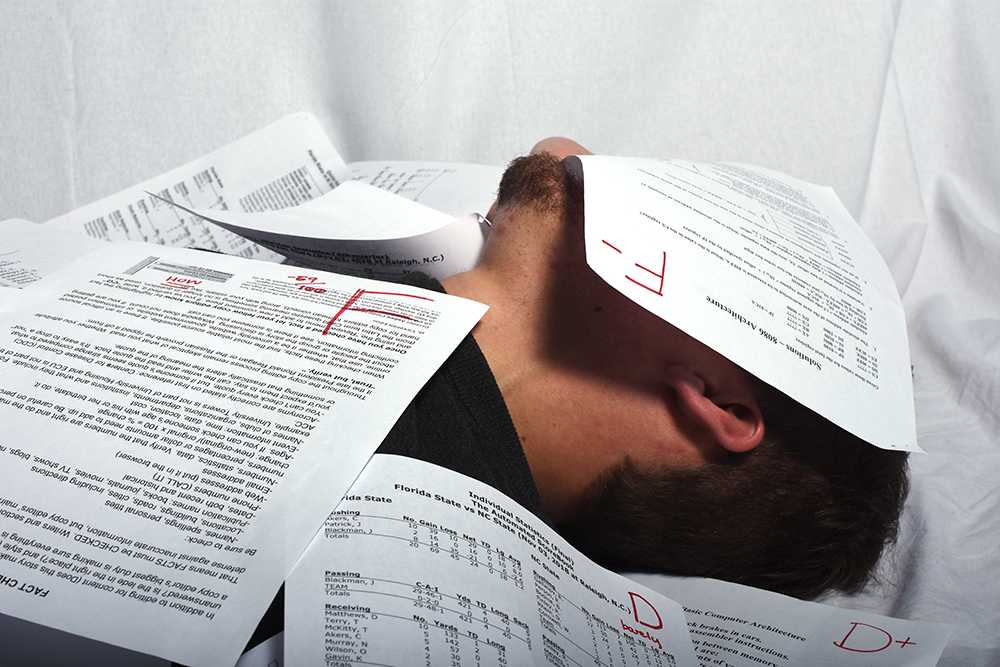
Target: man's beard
{"x":533,"y":181}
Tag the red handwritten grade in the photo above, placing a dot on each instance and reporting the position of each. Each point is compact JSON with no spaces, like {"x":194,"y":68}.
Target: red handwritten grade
{"x":343,"y":309}
{"x":663,"y":271}
{"x":308,"y":284}
{"x":870,"y":639}
{"x":641,"y":633}
{"x":648,"y":607}
{"x":658,"y":290}
{"x":349,"y":305}
{"x":180,"y":282}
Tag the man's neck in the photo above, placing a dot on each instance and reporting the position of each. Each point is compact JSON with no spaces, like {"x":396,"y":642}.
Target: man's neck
{"x":506,"y":332}
{"x":539,"y":392}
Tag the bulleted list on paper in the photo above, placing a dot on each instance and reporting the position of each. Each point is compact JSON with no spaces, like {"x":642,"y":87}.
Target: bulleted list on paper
{"x":284,"y":164}
{"x":770,"y":271}
{"x":177,"y":426}
{"x":422,"y":565}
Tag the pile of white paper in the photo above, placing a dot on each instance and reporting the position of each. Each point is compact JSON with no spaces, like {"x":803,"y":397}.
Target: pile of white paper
{"x":280,"y":194}
{"x":178,"y":424}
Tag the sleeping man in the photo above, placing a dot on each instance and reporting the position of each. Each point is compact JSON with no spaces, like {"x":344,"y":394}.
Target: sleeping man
{"x":643,"y":447}
{"x":646,"y":449}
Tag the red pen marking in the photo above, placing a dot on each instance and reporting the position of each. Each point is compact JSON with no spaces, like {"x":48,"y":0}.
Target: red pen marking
{"x":381,"y":312}
{"x":871,"y":639}
{"x":178,"y":281}
{"x":350,"y":302}
{"x":661,"y":275}
{"x":412,"y":296}
{"x":309,"y":284}
{"x":306,"y":279}
{"x":349,"y":306}
{"x":641,"y":633}
{"x":663,"y":271}
{"x":655,"y":625}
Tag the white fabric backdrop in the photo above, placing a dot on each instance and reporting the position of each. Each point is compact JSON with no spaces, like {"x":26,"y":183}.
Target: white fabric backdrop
{"x":894,"y":104}
{"x":98,"y":95}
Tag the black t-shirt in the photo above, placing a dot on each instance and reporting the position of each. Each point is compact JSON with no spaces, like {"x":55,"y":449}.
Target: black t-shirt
{"x":459,"y":421}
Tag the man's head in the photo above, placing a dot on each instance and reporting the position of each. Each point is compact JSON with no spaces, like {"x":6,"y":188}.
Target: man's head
{"x":650,"y":450}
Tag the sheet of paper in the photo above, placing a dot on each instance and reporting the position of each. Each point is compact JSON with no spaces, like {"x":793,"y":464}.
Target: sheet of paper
{"x":770,"y":271}
{"x":456,"y":188}
{"x":422,"y":565}
{"x":284,"y":164}
{"x":362,"y":230}
{"x":178,"y":424}
{"x":739,"y":626}
{"x":29,"y":251}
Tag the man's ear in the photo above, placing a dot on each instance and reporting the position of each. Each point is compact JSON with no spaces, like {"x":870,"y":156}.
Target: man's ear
{"x":729,"y":412}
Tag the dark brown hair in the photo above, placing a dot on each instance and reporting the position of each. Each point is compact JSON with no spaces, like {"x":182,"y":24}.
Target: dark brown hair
{"x":535,"y":181}
{"x":809,"y":510}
